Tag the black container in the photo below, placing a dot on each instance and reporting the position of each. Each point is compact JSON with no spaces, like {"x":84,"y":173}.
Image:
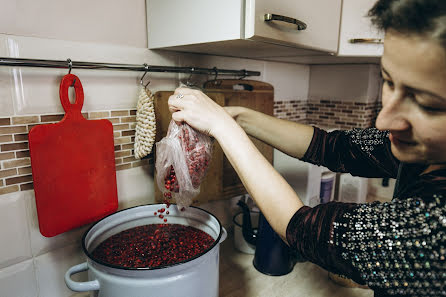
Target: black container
{"x":272,"y":256}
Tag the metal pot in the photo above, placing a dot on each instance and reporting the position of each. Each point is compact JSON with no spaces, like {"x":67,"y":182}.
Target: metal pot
{"x":196,"y":277}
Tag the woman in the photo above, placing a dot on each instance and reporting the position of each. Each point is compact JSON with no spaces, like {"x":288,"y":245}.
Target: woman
{"x":396,"y":248}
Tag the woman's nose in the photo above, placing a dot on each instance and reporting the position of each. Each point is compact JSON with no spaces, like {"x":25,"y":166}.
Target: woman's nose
{"x":393,"y":115}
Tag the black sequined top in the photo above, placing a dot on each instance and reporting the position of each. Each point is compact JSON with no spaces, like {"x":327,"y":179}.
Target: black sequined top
{"x":396,"y":248}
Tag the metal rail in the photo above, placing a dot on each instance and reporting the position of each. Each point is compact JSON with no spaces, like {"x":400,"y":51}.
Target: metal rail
{"x":68,"y":64}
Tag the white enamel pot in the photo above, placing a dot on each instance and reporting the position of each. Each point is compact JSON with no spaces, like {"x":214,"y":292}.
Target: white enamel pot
{"x":196,"y":277}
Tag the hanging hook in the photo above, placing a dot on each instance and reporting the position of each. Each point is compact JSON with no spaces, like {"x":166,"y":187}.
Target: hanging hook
{"x":245,"y":74}
{"x":142,"y":77}
{"x":216,"y":82}
{"x":216,"y":72}
{"x":70,"y":65}
{"x":188,"y":81}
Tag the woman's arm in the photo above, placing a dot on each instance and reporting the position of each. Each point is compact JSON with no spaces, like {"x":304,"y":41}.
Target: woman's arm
{"x":275,"y":198}
{"x":287,"y":136}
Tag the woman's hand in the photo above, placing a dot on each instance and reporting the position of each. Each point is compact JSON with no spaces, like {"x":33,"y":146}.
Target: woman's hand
{"x":199,"y":111}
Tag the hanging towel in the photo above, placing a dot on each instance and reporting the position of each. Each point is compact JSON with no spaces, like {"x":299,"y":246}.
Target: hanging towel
{"x":145,"y":124}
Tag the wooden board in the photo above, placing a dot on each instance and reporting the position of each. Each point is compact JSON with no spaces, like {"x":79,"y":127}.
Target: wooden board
{"x":221,"y":181}
{"x":252,"y":94}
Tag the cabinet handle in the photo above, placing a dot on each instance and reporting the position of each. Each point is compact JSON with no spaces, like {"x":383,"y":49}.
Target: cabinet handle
{"x":367,"y":40}
{"x":268,"y":17}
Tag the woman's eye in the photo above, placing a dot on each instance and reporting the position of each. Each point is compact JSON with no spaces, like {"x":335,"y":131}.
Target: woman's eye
{"x":428,"y":108}
{"x":388,"y":83}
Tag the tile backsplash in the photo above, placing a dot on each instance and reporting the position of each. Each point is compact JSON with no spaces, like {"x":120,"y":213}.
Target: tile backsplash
{"x":341,"y":114}
{"x":15,"y":172}
{"x":328,"y":114}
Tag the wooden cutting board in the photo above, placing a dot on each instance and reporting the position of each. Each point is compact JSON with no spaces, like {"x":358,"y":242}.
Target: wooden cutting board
{"x":221,"y":181}
{"x":73,"y":167}
{"x":256,"y":95}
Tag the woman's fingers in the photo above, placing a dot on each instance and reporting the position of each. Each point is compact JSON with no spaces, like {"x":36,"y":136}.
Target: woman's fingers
{"x":176,"y":103}
{"x":185,"y":91}
{"x":178,"y":116}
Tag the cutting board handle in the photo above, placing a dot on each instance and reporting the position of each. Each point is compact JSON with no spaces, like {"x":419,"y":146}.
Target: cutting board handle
{"x":75,"y":108}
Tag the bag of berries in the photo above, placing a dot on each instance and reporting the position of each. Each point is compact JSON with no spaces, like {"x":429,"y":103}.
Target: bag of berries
{"x":182,"y":160}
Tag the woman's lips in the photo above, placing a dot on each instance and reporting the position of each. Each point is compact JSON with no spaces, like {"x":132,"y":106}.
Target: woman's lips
{"x":400,"y":141}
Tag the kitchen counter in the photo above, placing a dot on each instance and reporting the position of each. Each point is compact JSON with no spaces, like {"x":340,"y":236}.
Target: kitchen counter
{"x":239,"y":278}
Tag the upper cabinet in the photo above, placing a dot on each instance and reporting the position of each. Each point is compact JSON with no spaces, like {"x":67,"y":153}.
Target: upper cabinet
{"x":358,"y":37}
{"x":280,"y":30}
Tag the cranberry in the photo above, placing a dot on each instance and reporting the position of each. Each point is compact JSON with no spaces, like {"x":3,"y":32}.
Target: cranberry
{"x":153,"y":245}
{"x":197,"y":160}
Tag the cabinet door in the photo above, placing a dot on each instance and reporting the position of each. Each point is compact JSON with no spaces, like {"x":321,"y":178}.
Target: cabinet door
{"x":322,"y":18}
{"x":358,"y":36}
{"x":178,"y":23}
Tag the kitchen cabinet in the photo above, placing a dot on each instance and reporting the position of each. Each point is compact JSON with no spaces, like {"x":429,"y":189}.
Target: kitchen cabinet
{"x":238,"y":28}
{"x":245,"y":28}
{"x":358,"y":37}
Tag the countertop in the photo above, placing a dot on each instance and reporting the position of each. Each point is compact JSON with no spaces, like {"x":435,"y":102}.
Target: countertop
{"x":239,"y":278}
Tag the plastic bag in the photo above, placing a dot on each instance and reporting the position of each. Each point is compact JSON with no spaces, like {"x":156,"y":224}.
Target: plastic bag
{"x":182,"y":160}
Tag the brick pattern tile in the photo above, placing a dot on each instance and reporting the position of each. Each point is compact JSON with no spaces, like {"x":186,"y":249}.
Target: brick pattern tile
{"x":294,"y":110}
{"x":15,"y":170}
{"x":15,"y":162}
{"x":331,"y":114}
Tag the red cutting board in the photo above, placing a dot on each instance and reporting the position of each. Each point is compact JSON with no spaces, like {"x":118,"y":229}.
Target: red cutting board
{"x":73,"y":167}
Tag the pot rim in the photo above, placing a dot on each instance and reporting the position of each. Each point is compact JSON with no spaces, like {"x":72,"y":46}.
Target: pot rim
{"x":88,"y":254}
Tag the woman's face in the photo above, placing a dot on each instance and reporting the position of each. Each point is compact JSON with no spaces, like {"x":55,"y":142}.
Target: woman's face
{"x":414,"y":98}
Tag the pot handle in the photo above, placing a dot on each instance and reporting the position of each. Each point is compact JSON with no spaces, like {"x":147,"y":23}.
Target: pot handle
{"x":80,"y":286}
{"x":224,"y":234}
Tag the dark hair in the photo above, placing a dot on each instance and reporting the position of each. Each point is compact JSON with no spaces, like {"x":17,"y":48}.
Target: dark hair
{"x":423,"y":17}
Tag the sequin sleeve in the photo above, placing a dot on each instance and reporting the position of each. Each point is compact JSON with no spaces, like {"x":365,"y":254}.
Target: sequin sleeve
{"x":361,"y":152}
{"x":396,"y":248}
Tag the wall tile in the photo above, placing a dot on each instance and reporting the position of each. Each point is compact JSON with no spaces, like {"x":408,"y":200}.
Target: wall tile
{"x":135,"y":186}
{"x":51,"y":268}
{"x":6,"y":103}
{"x":18,"y":280}
{"x":41,"y":244}
{"x":15,"y":246}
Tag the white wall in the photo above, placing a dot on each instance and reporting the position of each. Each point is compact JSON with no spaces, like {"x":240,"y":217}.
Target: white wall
{"x":354,"y":82}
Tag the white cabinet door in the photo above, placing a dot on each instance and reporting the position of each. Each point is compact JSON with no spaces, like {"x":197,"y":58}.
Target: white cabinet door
{"x":322,"y":18}
{"x":356,"y":25}
{"x":178,"y":22}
